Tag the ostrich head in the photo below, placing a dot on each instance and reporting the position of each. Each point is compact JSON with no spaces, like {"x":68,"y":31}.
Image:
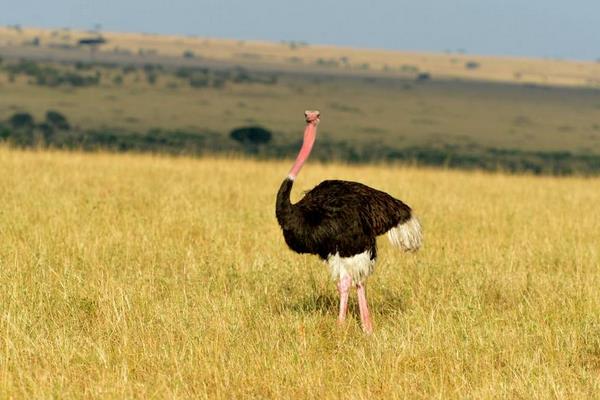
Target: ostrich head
{"x":312,"y":117}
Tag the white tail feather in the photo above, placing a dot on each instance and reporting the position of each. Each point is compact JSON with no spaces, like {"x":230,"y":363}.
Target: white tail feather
{"x":407,"y":235}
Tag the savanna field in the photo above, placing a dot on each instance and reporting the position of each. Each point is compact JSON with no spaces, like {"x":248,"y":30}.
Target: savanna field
{"x":139,"y":276}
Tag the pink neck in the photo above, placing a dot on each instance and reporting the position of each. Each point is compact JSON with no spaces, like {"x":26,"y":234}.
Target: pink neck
{"x":310,"y":134}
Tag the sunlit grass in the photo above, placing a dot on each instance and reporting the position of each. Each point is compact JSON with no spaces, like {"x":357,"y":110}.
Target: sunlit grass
{"x":140,"y":276}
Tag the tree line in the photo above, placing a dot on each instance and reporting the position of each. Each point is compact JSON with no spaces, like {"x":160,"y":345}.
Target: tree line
{"x":55,"y":131}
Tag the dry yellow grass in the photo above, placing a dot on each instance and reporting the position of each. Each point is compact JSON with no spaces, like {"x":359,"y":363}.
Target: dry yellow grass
{"x":492,"y":68}
{"x":140,"y":276}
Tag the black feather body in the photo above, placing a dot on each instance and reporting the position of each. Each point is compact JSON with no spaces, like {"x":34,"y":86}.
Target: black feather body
{"x":337,"y":217}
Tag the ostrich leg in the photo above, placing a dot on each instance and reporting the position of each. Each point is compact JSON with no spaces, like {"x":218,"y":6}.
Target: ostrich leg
{"x":365,"y":317}
{"x":344,"y":288}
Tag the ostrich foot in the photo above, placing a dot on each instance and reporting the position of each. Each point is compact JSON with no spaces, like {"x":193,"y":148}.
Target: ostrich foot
{"x":365,"y":316}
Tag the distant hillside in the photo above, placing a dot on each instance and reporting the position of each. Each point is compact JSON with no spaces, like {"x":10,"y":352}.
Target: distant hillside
{"x":296,"y":56}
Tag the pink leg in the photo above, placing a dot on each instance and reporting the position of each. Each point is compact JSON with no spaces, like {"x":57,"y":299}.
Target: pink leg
{"x":365,"y":317}
{"x":344,"y":288}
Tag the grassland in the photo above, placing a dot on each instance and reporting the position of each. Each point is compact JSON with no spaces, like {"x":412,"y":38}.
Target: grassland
{"x":396,"y":112}
{"x":480,"y":113}
{"x":140,"y":276}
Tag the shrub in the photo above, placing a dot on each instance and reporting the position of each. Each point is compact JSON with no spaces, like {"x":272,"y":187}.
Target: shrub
{"x":92,"y":41}
{"x":423,"y":76}
{"x":199,"y":81}
{"x":21,"y":120}
{"x":84,"y":66}
{"x":129,"y":68}
{"x":57,"y":120}
{"x":186,"y":72}
{"x":151,"y":77}
{"x":4,"y":132}
{"x":327,"y":62}
{"x":50,"y":76}
{"x":409,"y":68}
{"x":251,"y":135}
{"x":26,"y":67}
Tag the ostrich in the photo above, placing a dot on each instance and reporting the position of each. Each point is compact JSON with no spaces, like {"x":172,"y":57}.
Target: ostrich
{"x":339,"y":221}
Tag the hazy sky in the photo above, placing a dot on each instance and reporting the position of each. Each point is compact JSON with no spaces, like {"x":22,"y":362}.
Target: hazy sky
{"x":541,"y":28}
